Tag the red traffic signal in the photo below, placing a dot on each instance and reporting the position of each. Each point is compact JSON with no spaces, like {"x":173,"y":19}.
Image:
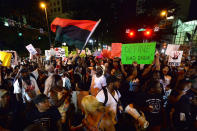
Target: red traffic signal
{"x":148,"y":33}
{"x":131,"y":34}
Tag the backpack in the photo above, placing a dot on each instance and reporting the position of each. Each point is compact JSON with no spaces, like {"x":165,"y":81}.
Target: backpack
{"x":32,"y":75}
{"x":106,"y":99}
{"x":106,"y":95}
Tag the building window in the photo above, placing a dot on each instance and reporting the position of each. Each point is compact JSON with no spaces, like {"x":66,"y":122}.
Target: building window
{"x":58,"y":2}
{"x":54,"y":4}
{"x":55,"y":10}
{"x":51,"y":11}
{"x":58,"y":9}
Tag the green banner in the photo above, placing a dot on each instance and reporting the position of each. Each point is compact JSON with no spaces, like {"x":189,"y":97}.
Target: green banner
{"x":142,"y":53}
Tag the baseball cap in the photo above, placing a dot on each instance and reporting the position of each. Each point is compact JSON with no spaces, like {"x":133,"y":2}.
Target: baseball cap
{"x":40,"y":98}
{"x":3,"y":92}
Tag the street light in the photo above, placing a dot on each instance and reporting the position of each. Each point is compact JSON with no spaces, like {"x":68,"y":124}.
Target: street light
{"x":64,"y":43}
{"x":43,"y":6}
{"x":163,"y":13}
{"x":92,"y":42}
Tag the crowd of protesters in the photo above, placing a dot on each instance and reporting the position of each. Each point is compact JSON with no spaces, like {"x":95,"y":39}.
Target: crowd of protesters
{"x":98,"y":94}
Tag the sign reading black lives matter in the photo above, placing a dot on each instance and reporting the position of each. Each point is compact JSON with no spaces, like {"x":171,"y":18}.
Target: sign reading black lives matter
{"x":142,"y":53}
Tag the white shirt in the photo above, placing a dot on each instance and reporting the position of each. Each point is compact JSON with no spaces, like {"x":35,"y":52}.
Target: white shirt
{"x":18,"y":89}
{"x":99,"y":82}
{"x":35,"y":73}
{"x":111,"y":103}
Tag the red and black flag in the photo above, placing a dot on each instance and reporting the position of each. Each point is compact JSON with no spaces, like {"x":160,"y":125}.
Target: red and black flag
{"x":73,"y":32}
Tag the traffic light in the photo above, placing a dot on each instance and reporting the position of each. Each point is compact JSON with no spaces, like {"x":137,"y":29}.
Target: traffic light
{"x":148,"y":33}
{"x":39,"y":38}
{"x":20,"y":34}
{"x":131,"y":34}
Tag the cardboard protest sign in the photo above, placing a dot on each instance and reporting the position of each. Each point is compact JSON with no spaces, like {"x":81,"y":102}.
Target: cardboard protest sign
{"x":59,"y":52}
{"x":47,"y":53}
{"x":175,"y":58}
{"x":52,"y":52}
{"x":116,"y":50}
{"x":31,"y":49}
{"x":66,"y":50}
{"x":142,"y":53}
{"x":171,"y":47}
{"x":5,"y":59}
{"x":14,"y":59}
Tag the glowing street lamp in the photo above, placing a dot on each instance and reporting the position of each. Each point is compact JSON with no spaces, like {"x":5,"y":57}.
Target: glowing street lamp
{"x":91,"y":41}
{"x":163,"y":13}
{"x":43,"y":6}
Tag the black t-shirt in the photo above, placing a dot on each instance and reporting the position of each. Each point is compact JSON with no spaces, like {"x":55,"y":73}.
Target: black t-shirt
{"x":145,"y":100}
{"x":127,"y":96}
{"x":46,"y":119}
{"x":181,"y":116}
{"x":183,"y":105}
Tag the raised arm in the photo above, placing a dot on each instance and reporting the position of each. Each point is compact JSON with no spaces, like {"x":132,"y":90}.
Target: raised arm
{"x":123,"y":70}
{"x":157,"y":62}
{"x":134,"y":74}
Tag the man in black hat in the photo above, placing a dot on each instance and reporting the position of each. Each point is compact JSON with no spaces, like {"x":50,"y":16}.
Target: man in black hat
{"x":44,"y":114}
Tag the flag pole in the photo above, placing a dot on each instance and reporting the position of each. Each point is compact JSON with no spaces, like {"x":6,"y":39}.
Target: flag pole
{"x":91,"y":34}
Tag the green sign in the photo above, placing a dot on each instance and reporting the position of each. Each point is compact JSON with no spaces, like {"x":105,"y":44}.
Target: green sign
{"x":66,"y":50}
{"x":142,"y":53}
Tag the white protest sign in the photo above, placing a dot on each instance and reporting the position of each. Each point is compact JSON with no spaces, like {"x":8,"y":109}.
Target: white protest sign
{"x":47,"y":54}
{"x":59,"y":52}
{"x":52,"y":52}
{"x":175,"y":58}
{"x":31,"y":49}
{"x":171,"y":47}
